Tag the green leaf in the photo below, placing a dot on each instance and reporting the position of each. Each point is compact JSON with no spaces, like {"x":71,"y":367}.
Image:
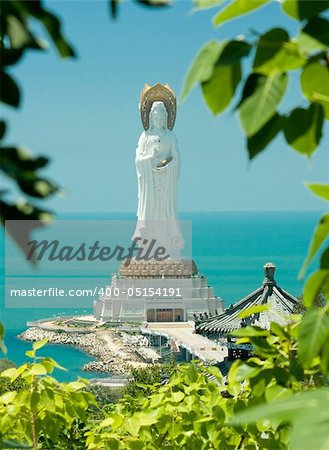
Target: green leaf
{"x":313,"y":334}
{"x":259,"y":141}
{"x":318,"y":28}
{"x":51,"y":362}
{"x":30,"y":353}
{"x":321,"y":190}
{"x":176,"y":397}
{"x":106,"y":422}
{"x":154,"y":3}
{"x":18,"y":164}
{"x":276,"y":392}
{"x":9,"y":91}
{"x":2,"y":129}
{"x":205,"y":4}
{"x":114,"y":8}
{"x":279,"y":331}
{"x":134,"y":445}
{"x":276,"y":53}
{"x":305,"y":404}
{"x":10,"y":56}
{"x":52,"y":25}
{"x":303,"y":128}
{"x":301,"y":9}
{"x":283,"y":410}
{"x":242,"y":371}
{"x":192,"y":373}
{"x":307,"y":45}
{"x":314,"y":36}
{"x":315,"y":84}
{"x":8,"y":397}
{"x":37,"y":187}
{"x":10,"y":373}
{"x":233,"y":51}
{"x":38,"y":369}
{"x":237,"y":8}
{"x":314,"y":284}
{"x":24,"y":211}
{"x":250,"y":332}
{"x":213,"y":370}
{"x":148,"y":419}
{"x":202,"y":66}
{"x":20,"y":36}
{"x":3,"y":348}
{"x":77,"y":385}
{"x":48,"y":365}
{"x":311,"y":431}
{"x":307,"y":412}
{"x":260,"y":98}
{"x":132,"y":425}
{"x":219,"y":90}
{"x":39,"y":344}
{"x":17,"y":161}
{"x":321,"y":233}
{"x":253,"y":310}
{"x":205,"y":67}
{"x":324,"y":262}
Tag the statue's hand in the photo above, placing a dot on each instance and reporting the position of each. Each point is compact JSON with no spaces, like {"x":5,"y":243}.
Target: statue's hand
{"x":163,"y":164}
{"x":159,"y":169}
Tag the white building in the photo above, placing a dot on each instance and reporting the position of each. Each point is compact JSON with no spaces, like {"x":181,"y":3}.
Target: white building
{"x":166,"y":291}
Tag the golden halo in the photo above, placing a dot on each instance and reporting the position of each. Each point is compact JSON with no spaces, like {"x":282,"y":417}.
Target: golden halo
{"x":158,"y":93}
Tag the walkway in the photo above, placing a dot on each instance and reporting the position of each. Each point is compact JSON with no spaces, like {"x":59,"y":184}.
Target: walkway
{"x":111,"y":382}
{"x":183,"y":334}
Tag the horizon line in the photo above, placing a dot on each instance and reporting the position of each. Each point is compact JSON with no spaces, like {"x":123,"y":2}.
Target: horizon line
{"x":201,"y":212}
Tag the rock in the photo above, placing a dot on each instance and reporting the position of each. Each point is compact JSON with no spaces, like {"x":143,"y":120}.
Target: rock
{"x":114,"y":360}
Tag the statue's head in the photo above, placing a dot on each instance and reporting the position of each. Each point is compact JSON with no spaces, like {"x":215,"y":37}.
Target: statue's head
{"x":158,"y":115}
{"x":151,"y":97}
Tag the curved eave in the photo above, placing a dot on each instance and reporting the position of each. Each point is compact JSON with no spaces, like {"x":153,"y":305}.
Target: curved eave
{"x":230,"y":321}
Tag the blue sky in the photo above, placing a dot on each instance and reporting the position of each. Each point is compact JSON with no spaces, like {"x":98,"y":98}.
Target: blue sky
{"x":83,"y":113}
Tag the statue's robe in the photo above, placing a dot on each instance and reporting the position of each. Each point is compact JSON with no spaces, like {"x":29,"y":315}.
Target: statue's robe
{"x":157,"y":192}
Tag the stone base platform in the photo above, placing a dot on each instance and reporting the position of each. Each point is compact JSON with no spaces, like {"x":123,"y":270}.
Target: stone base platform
{"x":158,"y":291}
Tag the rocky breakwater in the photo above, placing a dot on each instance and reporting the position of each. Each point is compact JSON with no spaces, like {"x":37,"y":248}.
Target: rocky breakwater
{"x":111,"y":355}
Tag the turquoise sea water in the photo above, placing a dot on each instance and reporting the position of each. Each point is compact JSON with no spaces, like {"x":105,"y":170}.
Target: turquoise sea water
{"x":230,"y":248}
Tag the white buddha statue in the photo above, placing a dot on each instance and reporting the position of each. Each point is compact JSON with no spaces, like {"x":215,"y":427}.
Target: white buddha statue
{"x":157,"y":166}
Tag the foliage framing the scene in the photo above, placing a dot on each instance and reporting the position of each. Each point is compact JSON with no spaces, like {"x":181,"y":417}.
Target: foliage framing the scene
{"x":278,"y":399}
{"x":275,"y":400}
{"x":269,"y":61}
{"x":17,"y":39}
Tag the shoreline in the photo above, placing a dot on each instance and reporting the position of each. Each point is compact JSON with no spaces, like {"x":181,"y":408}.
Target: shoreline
{"x":112,"y":354}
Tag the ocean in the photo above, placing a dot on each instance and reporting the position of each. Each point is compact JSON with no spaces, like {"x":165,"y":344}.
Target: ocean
{"x":230,"y":248}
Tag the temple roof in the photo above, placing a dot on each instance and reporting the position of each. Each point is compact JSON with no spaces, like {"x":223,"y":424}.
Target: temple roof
{"x":281,"y":306}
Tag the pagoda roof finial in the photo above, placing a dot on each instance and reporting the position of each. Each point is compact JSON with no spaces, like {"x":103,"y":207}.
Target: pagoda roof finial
{"x":269,"y":271}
